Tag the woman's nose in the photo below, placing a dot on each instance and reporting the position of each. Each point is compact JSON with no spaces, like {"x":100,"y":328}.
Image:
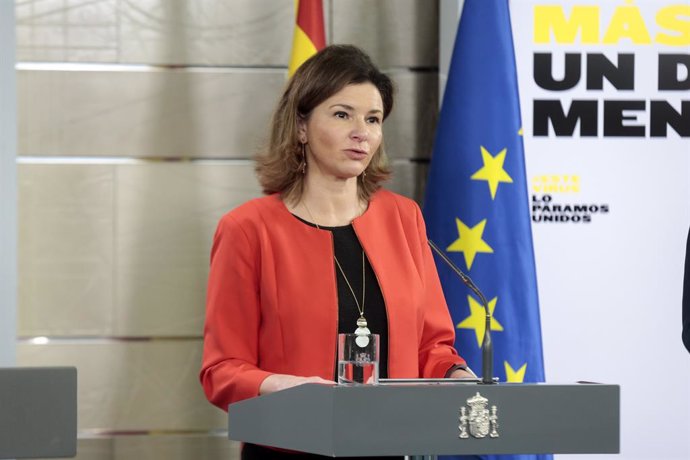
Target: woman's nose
{"x":359,"y":130}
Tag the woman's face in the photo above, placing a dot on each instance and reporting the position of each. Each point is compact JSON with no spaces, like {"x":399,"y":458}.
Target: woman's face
{"x":343,"y":132}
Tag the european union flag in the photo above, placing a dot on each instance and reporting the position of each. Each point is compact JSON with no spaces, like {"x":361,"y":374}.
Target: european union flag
{"x":476,"y":205}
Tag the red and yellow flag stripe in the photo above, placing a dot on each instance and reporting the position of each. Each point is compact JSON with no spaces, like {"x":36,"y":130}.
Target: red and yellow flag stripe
{"x":310,"y":35}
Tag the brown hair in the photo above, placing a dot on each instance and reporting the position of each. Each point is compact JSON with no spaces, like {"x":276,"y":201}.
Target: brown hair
{"x":320,"y":77}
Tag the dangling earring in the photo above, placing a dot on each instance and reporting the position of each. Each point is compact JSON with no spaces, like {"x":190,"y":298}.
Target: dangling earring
{"x":364,"y":173}
{"x":303,"y":164}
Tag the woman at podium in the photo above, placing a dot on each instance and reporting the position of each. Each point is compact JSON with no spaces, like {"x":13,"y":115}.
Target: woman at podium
{"x":326,"y":251}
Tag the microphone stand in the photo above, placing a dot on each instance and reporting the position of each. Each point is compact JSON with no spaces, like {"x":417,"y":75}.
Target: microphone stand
{"x":487,"y":345}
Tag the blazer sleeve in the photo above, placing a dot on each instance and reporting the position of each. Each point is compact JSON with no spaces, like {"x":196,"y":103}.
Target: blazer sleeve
{"x":229,"y":371}
{"x":437,"y":354}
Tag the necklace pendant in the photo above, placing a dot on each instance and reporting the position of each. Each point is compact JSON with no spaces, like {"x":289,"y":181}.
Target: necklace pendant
{"x":362,"y":340}
{"x":362,"y":332}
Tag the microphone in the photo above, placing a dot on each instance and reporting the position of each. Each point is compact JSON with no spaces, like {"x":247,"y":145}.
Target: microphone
{"x":487,"y":345}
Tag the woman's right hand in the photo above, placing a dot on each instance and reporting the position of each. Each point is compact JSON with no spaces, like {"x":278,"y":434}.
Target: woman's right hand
{"x":277,"y":382}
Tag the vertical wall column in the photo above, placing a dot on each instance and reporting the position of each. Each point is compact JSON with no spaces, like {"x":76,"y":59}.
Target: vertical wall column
{"x":8,"y":186}
{"x":449,"y":16}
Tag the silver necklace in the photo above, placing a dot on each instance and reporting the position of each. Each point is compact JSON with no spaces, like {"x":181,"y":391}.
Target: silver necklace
{"x":362,"y":330}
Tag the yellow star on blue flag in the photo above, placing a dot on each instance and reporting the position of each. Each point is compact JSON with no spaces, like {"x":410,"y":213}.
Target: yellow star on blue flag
{"x":492,"y":171}
{"x":477,"y":319}
{"x":470,"y":241}
{"x":515,"y":376}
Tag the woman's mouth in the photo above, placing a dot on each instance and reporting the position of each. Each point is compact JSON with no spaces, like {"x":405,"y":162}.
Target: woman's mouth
{"x":356,"y":154}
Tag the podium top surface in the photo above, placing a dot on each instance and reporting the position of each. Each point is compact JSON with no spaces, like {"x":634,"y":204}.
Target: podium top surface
{"x":427,"y":418}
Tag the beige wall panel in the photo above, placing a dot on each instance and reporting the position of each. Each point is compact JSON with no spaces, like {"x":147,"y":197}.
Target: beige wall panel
{"x":66,"y":245}
{"x":166,"y":113}
{"x":409,"y":131}
{"x":167,"y":32}
{"x":132,"y":386}
{"x":95,"y":449}
{"x":396,"y":33}
{"x":167,"y":214}
{"x":158,"y":447}
{"x":67,"y":30}
{"x":185,"y":114}
{"x":211,"y":32}
{"x":176,"y":448}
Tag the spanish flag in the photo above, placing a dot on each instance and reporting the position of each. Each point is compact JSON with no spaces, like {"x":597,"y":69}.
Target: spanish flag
{"x":309,"y":36}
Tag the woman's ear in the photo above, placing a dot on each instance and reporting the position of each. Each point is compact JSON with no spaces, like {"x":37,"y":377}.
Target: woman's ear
{"x":302,"y":129}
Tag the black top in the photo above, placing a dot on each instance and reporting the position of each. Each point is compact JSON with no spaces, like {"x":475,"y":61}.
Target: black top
{"x":686,"y":298}
{"x":348,"y":250}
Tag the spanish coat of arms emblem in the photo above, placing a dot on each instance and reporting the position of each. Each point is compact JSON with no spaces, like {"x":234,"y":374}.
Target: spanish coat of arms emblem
{"x":480,"y":420}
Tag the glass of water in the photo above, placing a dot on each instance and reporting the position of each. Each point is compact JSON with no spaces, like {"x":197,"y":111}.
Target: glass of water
{"x":358,"y":359}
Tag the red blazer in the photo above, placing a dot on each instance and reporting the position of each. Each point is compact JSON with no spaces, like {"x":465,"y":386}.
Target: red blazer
{"x":272,"y":303}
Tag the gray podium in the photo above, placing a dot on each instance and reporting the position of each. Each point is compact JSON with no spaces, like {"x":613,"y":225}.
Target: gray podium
{"x":429,"y":419}
{"x":38,"y":412}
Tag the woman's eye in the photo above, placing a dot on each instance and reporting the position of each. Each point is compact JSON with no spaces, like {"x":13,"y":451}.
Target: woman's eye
{"x":341,"y":114}
{"x":375,"y":120}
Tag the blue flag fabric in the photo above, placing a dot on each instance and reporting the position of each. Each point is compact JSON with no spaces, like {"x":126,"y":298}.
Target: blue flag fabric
{"x":476,"y":205}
